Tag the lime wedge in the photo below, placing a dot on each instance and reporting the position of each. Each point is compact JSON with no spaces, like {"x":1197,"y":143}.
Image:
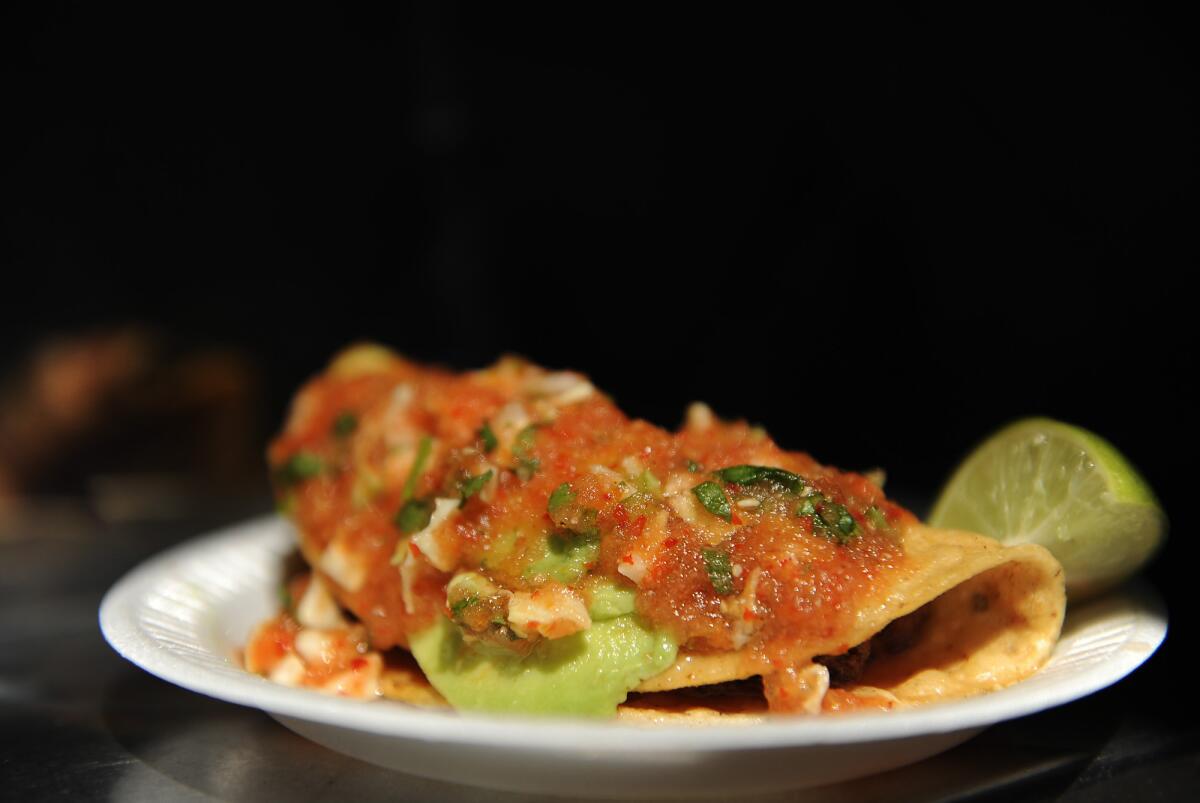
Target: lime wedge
{"x":1045,"y":482}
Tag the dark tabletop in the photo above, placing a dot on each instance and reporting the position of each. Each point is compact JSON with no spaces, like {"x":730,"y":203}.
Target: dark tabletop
{"x":78,"y":722}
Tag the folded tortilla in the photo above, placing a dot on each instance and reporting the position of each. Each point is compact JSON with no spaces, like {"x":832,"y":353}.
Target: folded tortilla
{"x":976,"y":616}
{"x":402,"y":478}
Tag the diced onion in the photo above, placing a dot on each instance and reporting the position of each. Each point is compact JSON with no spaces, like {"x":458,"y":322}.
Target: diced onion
{"x":289,"y":671}
{"x":549,"y":612}
{"x":317,"y":607}
{"x":343,"y":565}
{"x":699,"y":416}
{"x":633,"y":566}
{"x":426,"y":540}
{"x":316,"y":646}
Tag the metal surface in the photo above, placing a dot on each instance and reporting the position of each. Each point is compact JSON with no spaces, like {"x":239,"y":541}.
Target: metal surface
{"x":78,"y":722}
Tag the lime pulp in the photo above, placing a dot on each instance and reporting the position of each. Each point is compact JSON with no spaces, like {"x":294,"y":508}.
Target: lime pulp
{"x":1045,"y":482}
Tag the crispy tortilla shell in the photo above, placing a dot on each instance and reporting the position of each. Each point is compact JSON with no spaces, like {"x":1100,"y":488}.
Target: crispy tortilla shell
{"x":722,"y":706}
{"x":967,"y":615}
{"x":991,"y":617}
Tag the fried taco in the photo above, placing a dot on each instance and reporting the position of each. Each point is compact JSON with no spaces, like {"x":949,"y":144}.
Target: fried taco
{"x":507,"y":540}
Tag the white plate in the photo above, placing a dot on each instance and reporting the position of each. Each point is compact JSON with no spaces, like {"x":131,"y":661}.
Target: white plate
{"x":183,"y":615}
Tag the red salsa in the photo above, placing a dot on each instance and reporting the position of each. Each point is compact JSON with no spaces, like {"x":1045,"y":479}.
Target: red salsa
{"x":401,"y":477}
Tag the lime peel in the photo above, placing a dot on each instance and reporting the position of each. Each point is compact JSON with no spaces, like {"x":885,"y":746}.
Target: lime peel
{"x":1050,"y":483}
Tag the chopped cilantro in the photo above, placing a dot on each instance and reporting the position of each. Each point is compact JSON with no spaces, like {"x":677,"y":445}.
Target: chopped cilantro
{"x":566,"y":557}
{"x":749,"y":475}
{"x":299,"y":467}
{"x":487,"y":437}
{"x":713,"y":497}
{"x":720,"y":573}
{"x":525,"y":439}
{"x":693,"y":466}
{"x":472,"y":485}
{"x":808,"y":505}
{"x":527,"y":465}
{"x":741,"y":474}
{"x":345,"y":424}
{"x":458,"y":606}
{"x":418,"y":466}
{"x":829,"y":518}
{"x":878,"y":518}
{"x":560,"y":498}
{"x":839,"y":517}
{"x":414,"y":515}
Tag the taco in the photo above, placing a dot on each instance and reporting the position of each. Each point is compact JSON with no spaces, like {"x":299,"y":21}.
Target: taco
{"x":536,"y":551}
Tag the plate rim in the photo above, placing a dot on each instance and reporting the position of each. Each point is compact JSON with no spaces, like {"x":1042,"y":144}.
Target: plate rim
{"x":121,"y":628}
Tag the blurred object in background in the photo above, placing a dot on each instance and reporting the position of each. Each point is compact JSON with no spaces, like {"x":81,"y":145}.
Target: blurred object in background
{"x":127,"y":424}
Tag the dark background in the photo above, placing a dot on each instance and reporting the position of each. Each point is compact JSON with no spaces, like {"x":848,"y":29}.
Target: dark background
{"x":880,"y":234}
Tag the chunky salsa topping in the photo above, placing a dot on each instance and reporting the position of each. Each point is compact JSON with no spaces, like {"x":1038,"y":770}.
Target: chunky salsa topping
{"x":508,"y":500}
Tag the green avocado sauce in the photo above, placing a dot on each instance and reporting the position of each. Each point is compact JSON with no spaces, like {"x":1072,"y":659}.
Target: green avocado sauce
{"x":585,"y":674}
